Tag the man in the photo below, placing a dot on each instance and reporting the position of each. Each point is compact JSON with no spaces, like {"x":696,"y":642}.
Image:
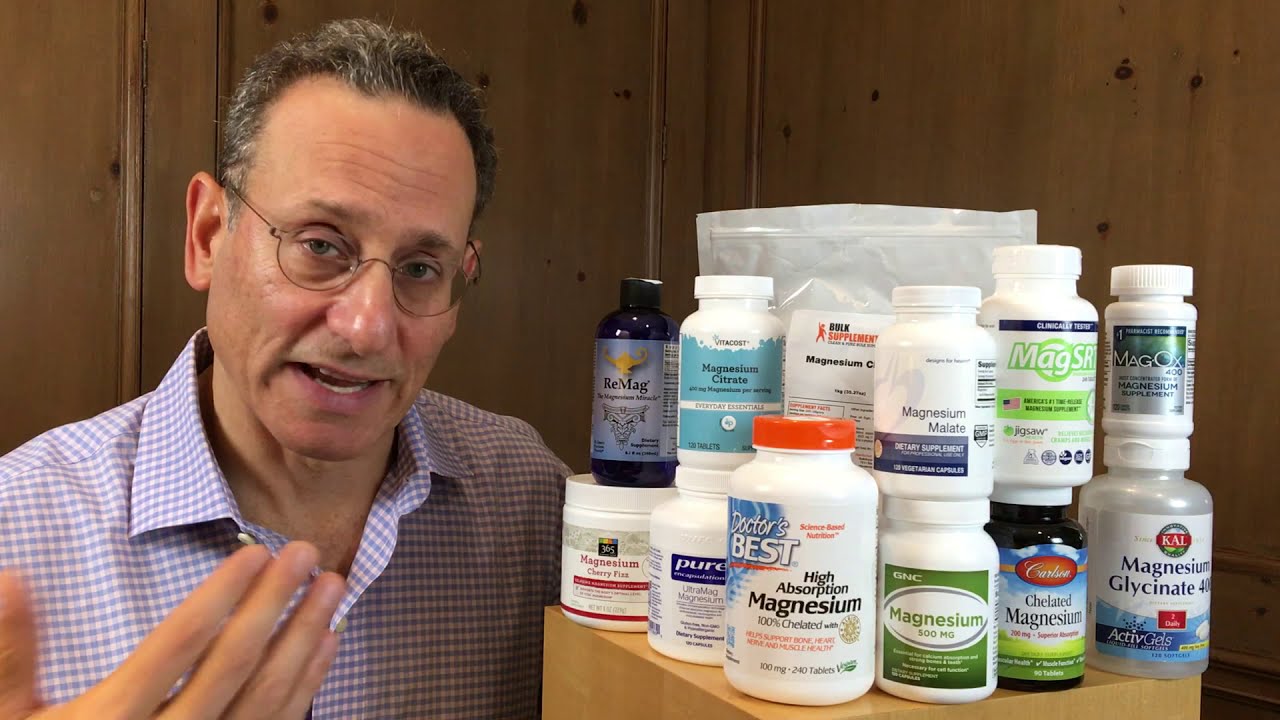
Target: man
{"x":335,"y":248}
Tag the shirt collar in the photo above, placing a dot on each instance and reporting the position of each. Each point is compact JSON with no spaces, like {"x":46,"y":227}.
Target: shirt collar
{"x":177,"y":481}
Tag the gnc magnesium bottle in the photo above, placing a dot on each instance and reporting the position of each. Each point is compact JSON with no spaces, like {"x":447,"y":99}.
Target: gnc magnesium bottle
{"x":1047,"y":365}
{"x":1150,"y":353}
{"x":687,"y":540}
{"x":935,"y":391}
{"x":730,"y":369}
{"x":802,"y":565}
{"x":937,"y":598}
{"x":1151,"y":547}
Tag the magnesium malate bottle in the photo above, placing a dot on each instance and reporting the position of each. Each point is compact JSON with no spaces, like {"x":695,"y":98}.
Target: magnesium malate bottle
{"x":1043,"y":569}
{"x":1151,"y":546}
{"x":935,"y":391}
{"x":604,"y":582}
{"x":1149,"y":353}
{"x":937,"y":622}
{"x":687,"y":544}
{"x":730,"y":369}
{"x":1046,"y":369}
{"x":800,"y":591}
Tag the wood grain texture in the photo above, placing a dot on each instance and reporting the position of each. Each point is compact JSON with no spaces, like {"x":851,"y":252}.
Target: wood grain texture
{"x":129,"y":273}
{"x":569,"y":90}
{"x":708,"y":132}
{"x":590,"y":674}
{"x":61,"y":213}
{"x":180,"y":140}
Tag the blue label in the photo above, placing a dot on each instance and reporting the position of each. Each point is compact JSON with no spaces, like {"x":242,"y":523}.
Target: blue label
{"x":759,"y":539}
{"x":1124,"y":634}
{"x":1058,"y":326}
{"x":723,"y":387}
{"x":934,"y":455}
{"x":633,"y":413}
{"x":695,"y":569}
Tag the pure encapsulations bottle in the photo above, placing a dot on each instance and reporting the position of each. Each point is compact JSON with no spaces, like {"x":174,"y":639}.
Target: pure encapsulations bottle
{"x":730,"y":369}
{"x":1043,"y":588}
{"x":1150,"y":353}
{"x":937,"y":622}
{"x":802,"y":565}
{"x":1151,"y":547}
{"x":1046,"y":370}
{"x":633,"y":409}
{"x":934,"y":402}
{"x":604,"y":582}
{"x":687,"y":541}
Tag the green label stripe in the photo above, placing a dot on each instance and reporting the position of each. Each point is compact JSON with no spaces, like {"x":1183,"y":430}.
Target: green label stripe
{"x":975,"y":581}
{"x":929,"y":598}
{"x":1053,"y":405}
{"x":954,"y":670}
{"x":1024,"y":668}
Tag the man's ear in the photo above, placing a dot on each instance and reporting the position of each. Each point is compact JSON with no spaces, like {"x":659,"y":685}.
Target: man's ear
{"x":207,"y":226}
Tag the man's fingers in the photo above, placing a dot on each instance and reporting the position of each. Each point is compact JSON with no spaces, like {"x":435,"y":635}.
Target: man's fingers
{"x":282,"y":680}
{"x":235,"y":652}
{"x":312,"y":677}
{"x":143,"y":681}
{"x":17,"y":650}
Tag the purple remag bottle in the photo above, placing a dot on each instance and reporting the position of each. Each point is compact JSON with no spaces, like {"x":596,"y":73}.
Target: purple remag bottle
{"x":634,"y":399}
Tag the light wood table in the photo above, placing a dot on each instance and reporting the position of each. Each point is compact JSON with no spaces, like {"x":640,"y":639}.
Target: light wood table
{"x":594,"y":675}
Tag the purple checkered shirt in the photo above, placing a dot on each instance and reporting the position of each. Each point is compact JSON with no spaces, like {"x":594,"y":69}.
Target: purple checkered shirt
{"x":113,"y":521}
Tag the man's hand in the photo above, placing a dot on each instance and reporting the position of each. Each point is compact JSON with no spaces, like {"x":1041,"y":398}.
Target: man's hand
{"x":223,"y":631}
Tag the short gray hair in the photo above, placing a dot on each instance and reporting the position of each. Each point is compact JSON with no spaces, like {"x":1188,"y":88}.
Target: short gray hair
{"x":373,"y":59}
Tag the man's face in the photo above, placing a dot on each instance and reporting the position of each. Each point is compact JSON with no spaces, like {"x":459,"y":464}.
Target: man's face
{"x":329,"y":374}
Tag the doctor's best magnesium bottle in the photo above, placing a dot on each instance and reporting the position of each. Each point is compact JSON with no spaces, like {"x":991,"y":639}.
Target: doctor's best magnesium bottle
{"x":800,"y":586}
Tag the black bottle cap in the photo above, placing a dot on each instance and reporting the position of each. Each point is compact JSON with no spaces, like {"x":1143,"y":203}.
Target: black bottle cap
{"x":639,"y":292}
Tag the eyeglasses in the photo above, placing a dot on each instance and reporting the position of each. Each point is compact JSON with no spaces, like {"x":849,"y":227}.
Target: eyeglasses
{"x":319,"y":258}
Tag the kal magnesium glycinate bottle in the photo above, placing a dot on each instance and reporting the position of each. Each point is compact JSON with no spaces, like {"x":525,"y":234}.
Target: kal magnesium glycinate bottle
{"x":1046,"y":367}
{"x":800,"y":590}
{"x":633,"y":408}
{"x":1150,"y":561}
{"x":730,"y":369}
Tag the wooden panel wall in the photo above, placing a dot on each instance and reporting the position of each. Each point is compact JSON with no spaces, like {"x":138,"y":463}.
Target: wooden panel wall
{"x":65,"y":200}
{"x":1140,"y":130}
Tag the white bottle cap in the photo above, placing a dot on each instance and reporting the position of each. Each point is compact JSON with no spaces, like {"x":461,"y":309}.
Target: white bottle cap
{"x":1151,"y":280}
{"x":937,"y":296}
{"x":583,"y":491}
{"x":699,"y":480}
{"x":1035,"y":496}
{"x":1146,"y":453}
{"x":938,"y":512}
{"x":733,"y":286}
{"x":1061,"y":261}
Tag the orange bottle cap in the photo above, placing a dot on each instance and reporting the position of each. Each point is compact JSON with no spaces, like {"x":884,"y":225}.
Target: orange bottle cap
{"x":799,"y":432}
